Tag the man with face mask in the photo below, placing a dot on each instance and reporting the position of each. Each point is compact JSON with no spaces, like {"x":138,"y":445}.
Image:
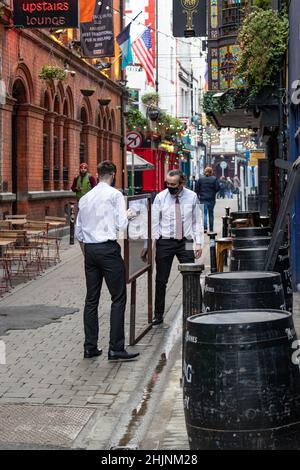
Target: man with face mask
{"x":178,"y":230}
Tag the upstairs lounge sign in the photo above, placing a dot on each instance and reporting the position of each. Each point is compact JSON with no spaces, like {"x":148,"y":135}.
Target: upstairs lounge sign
{"x":45,"y":14}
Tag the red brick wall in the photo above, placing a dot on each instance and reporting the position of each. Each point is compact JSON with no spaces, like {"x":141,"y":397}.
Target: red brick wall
{"x":24,"y":52}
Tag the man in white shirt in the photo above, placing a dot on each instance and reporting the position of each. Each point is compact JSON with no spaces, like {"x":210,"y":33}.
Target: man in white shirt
{"x":102,"y":213}
{"x":178,"y":230}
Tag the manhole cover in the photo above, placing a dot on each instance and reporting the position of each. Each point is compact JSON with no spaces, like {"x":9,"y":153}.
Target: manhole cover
{"x":42,"y":425}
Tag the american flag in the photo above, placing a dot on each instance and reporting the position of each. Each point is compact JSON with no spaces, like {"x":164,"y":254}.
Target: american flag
{"x":142,"y":48}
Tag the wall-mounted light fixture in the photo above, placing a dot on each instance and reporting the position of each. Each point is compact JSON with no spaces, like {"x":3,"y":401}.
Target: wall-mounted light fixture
{"x":102,"y":65}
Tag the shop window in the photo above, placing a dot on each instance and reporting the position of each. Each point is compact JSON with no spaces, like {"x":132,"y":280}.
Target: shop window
{"x":232,"y":16}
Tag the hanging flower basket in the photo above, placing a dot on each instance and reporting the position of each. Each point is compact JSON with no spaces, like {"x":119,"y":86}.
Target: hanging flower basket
{"x":87,"y":91}
{"x":104,"y":101}
{"x":52,"y":72}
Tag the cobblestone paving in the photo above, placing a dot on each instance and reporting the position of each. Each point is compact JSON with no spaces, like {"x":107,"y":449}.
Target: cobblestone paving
{"x":45,"y":366}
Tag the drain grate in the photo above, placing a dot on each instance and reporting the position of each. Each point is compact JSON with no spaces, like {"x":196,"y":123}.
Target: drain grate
{"x":42,"y":425}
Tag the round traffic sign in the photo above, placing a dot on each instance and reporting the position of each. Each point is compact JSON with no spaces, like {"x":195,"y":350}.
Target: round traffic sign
{"x":223,"y":165}
{"x":133,"y":140}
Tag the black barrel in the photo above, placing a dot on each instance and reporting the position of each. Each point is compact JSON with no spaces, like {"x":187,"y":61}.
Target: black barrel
{"x":243,"y":290}
{"x":248,"y":232}
{"x":248,"y":259}
{"x":283,"y":266}
{"x":264,"y":221}
{"x":242,"y":381}
{"x":253,"y":215}
{"x":253,"y":242}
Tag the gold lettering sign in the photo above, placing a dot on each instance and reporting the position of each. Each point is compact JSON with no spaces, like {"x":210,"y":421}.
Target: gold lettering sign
{"x":190,"y":8}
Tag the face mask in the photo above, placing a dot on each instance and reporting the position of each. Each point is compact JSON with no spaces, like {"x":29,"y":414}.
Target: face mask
{"x":173,"y":191}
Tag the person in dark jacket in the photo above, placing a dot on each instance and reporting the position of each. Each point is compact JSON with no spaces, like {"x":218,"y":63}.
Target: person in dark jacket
{"x":207,"y":188}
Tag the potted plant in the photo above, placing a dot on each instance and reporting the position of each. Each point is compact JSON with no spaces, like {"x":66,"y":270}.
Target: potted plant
{"x":52,"y":72}
{"x":151,"y":99}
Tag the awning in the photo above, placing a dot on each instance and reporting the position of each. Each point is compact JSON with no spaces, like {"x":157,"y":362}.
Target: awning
{"x":139,"y":163}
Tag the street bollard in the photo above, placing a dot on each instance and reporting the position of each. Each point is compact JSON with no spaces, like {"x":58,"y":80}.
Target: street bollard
{"x":227,"y":209}
{"x":191,"y":296}
{"x":225,"y":234}
{"x":213,"y":256}
{"x":72,"y":223}
{"x":225,"y":226}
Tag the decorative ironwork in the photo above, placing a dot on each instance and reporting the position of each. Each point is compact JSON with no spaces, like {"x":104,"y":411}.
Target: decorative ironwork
{"x":190,"y":9}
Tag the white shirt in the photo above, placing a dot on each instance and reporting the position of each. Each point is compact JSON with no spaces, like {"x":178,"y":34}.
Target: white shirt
{"x":102,"y":213}
{"x":164,"y":216}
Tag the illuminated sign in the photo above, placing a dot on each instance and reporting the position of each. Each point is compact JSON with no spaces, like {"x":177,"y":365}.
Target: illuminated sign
{"x":48,"y":14}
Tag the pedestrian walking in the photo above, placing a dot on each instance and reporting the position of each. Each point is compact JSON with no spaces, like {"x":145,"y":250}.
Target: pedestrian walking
{"x":229,"y":187}
{"x":222,"y":186}
{"x":83,"y":182}
{"x":207,"y":189}
{"x":178,"y":231}
{"x":193,"y":183}
{"x":102,"y":213}
{"x":236,"y":185}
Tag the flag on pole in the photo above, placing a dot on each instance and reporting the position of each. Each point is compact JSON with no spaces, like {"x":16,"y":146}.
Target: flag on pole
{"x":124,"y":41}
{"x":206,"y":77}
{"x":142,"y":48}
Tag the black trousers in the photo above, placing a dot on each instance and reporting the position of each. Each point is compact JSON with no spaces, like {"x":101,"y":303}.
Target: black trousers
{"x":104,"y":260}
{"x":166,"y":249}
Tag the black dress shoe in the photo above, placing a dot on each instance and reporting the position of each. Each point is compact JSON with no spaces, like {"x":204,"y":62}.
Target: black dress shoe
{"x":121,"y":356}
{"x":157,"y":320}
{"x":89,"y":353}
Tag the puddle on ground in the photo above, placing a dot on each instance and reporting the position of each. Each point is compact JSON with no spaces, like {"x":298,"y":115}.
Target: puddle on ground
{"x":140,"y":411}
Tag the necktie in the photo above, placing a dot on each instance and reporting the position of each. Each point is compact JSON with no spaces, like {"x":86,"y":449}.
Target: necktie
{"x":178,"y":220}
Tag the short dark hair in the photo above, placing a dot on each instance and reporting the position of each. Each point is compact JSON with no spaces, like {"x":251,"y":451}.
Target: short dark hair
{"x":106,"y":168}
{"x":177,"y":173}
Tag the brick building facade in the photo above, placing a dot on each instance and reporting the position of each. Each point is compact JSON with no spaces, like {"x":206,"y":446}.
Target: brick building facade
{"x":48,"y":129}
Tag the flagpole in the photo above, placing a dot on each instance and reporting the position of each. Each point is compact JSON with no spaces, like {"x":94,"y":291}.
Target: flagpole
{"x":122,"y":75}
{"x":122,"y":106}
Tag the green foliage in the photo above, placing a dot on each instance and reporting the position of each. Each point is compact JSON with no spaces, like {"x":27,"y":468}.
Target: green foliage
{"x":51,"y":72}
{"x":220,"y":105}
{"x":264,"y":4}
{"x":263,"y":40}
{"x":150,"y":99}
{"x":135,"y":120}
{"x":169,"y":125}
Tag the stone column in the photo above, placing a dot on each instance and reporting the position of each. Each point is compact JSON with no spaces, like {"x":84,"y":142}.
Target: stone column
{"x":59,"y":124}
{"x":72,"y":161}
{"x":91,"y":133}
{"x":49,"y":123}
